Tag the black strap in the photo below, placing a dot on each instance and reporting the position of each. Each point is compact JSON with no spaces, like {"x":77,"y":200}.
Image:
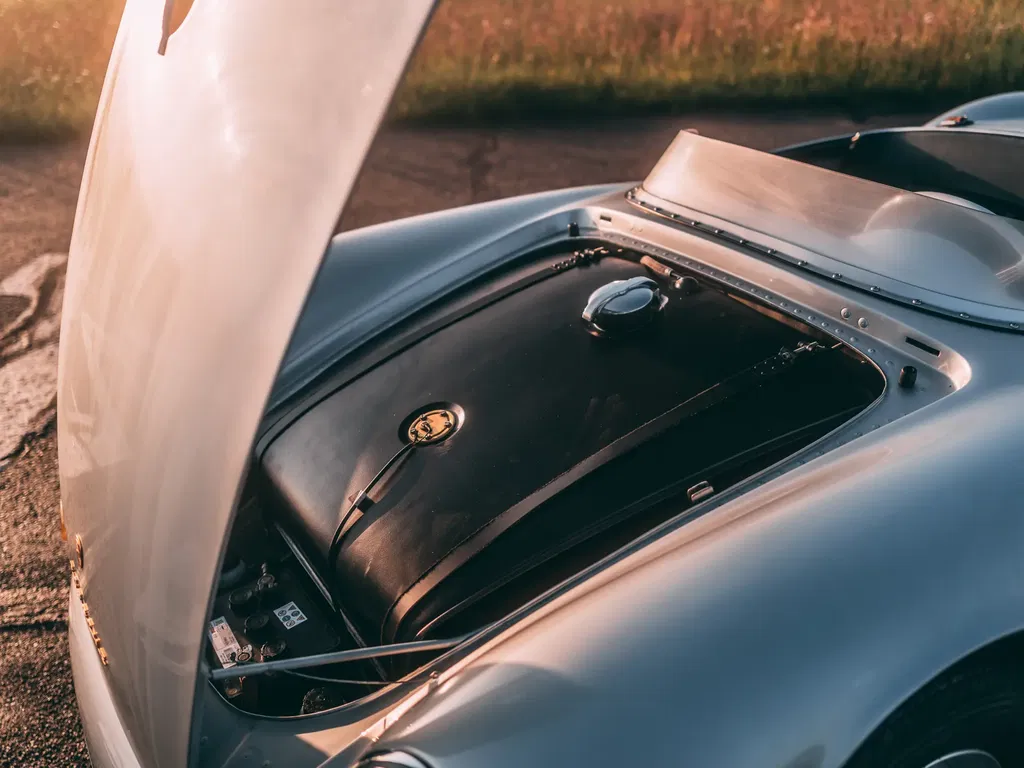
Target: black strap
{"x":477,"y":541}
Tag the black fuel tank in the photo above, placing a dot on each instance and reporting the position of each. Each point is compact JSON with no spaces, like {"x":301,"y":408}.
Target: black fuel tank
{"x":535,"y":392}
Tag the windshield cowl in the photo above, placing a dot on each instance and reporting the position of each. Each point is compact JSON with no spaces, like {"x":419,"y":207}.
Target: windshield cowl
{"x":905,"y":246}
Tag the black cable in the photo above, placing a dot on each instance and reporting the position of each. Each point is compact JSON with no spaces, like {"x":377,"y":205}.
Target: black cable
{"x":336,"y":541}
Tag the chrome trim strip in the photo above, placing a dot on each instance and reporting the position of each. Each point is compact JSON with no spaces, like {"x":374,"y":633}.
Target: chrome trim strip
{"x":672,"y":212}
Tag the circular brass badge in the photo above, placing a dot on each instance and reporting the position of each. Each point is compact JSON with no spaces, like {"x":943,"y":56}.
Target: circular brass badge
{"x":432,"y":426}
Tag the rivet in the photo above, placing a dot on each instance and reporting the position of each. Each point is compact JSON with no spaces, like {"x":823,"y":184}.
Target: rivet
{"x":810,"y":317}
{"x":853,"y":338}
{"x":836,"y":276}
{"x":862,"y":323}
{"x":871,"y":350}
{"x":846,"y":313}
{"x":824,"y":324}
{"x":784,"y":304}
{"x":917,"y":302}
{"x":874,"y":289}
{"x":964,"y":315}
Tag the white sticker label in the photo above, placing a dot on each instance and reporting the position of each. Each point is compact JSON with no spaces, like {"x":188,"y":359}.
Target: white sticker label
{"x":290,"y":615}
{"x":225,"y":645}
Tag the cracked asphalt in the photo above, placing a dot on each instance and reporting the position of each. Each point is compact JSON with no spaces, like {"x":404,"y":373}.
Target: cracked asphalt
{"x":408,"y":172}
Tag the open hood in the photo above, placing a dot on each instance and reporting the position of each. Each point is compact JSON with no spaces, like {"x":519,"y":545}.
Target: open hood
{"x":214,"y":178}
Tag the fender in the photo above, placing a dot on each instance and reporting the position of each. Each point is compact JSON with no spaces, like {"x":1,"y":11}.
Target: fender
{"x":1004,"y":111}
{"x":800,"y":615}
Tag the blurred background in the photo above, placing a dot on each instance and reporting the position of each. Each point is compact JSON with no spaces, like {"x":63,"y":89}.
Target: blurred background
{"x":538,"y":58}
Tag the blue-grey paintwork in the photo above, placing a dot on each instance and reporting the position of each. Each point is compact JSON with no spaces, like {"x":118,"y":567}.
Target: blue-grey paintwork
{"x":1003,"y":113}
{"x":776,"y":629}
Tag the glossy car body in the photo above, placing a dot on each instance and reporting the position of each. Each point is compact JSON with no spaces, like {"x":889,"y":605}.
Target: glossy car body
{"x":779,"y":626}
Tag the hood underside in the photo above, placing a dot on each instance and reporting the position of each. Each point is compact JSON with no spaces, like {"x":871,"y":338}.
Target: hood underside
{"x":214,"y":178}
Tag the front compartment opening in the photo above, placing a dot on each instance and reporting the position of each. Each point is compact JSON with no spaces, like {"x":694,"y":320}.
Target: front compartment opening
{"x":549,"y":418}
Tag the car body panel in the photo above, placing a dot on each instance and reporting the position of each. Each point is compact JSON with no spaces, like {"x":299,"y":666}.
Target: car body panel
{"x":214,"y":178}
{"x":1003,"y":112}
{"x":215,"y":175}
{"x":900,"y":243}
{"x":779,"y":629}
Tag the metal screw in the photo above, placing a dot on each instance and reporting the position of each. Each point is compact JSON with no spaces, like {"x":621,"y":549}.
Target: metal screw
{"x":846,"y":313}
{"x":862,"y":323}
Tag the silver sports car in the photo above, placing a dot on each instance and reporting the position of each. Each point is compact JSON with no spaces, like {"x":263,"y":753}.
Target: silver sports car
{"x":719,"y":469}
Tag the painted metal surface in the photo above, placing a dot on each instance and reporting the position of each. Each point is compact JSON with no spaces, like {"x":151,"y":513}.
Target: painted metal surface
{"x":1001,"y":112}
{"x":659,"y":649}
{"x":901,"y":243}
{"x":214,"y":177}
{"x":852,"y":580}
{"x":104,"y":730}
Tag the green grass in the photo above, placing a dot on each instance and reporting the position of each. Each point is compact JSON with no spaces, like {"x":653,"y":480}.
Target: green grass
{"x":53,"y":54}
{"x":521,"y":58}
{"x":502,"y":57}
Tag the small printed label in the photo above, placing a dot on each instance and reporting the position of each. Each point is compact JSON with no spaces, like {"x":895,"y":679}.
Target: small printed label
{"x":225,"y":645}
{"x":290,"y":615}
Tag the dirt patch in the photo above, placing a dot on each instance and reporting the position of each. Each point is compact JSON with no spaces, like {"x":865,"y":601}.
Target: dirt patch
{"x":11,"y":308}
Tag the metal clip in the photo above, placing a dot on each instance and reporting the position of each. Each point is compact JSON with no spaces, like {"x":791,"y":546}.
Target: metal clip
{"x":701,"y":490}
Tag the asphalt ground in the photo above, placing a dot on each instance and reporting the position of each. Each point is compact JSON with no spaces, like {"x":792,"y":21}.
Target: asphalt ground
{"x":409,"y":171}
